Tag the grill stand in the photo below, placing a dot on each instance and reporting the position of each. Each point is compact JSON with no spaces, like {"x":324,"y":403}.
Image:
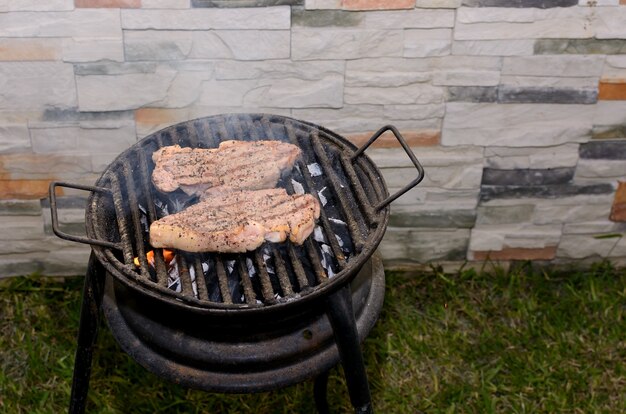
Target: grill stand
{"x":342,"y":320}
{"x":339,"y":310}
{"x":93,"y":292}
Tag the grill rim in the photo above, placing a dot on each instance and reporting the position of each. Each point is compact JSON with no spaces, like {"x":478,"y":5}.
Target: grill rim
{"x":127,"y":275}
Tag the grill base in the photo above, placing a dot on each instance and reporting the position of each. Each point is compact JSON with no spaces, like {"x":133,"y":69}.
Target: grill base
{"x":349,"y":326}
{"x":270,"y":359}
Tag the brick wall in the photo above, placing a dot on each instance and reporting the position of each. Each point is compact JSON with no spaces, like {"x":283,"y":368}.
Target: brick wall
{"x":517,"y":109}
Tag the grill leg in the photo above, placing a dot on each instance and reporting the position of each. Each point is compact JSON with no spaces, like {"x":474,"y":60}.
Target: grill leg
{"x":341,"y":317}
{"x":93,"y":291}
{"x":320,"y":389}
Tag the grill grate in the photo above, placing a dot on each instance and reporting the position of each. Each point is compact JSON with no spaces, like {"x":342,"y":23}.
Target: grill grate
{"x":274,"y":273}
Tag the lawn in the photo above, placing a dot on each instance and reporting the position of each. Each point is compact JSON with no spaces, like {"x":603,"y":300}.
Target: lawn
{"x":521,"y":341}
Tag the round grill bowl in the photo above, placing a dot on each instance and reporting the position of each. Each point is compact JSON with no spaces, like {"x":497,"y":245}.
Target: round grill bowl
{"x":276,"y":277}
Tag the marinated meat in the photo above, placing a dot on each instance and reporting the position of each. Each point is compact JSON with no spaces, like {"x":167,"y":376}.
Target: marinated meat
{"x":234,"y":165}
{"x":238,"y":221}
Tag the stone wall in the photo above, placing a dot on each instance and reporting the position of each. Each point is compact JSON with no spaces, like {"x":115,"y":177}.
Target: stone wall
{"x":517,"y":109}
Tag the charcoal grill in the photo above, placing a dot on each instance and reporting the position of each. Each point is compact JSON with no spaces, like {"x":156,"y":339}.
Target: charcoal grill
{"x":239,"y":322}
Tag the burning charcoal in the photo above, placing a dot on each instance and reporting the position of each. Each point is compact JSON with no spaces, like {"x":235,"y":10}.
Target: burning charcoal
{"x":233,"y":280}
{"x":161,"y":208}
{"x":145,"y":226}
{"x":250,"y":266}
{"x":173,"y":202}
{"x":192,"y":277}
{"x":230,"y":265}
{"x":266,"y":261}
{"x":327,"y":260}
{"x":168,"y":256}
{"x":340,"y":228}
{"x":178,"y":201}
{"x":173,"y":277}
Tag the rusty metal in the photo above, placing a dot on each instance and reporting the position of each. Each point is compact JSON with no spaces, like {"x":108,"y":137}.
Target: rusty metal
{"x":248,"y":322}
{"x":93,"y":291}
{"x":55,"y":216}
{"x":352,"y":184}
{"x":204,"y":353}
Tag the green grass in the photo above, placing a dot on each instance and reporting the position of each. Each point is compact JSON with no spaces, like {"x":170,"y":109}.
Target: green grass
{"x":523,"y":341}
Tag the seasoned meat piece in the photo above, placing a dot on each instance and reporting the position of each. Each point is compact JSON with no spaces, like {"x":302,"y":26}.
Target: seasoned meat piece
{"x":282,"y":214}
{"x":233,"y":165}
{"x":237,"y":221}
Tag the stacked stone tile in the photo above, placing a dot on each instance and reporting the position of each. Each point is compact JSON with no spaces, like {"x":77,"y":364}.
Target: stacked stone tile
{"x":517,"y":109}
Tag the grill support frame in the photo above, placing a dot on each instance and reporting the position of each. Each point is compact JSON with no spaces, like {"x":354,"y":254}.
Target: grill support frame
{"x":366,"y":207}
{"x":338,"y":308}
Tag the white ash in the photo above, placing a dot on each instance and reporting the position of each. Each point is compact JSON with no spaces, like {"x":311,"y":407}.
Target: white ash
{"x":314,"y":169}
{"x":230,"y":266}
{"x":297,"y":187}
{"x":192,"y":276}
{"x":295,"y":296}
{"x":337,"y":221}
{"x":177,"y":204}
{"x":321,"y":196}
{"x":144,"y":219}
{"x":250,"y":266}
{"x":327,"y":256}
{"x":318,"y":235}
{"x":339,"y":240}
{"x":268,"y":267}
{"x":173,"y":278}
{"x":162,"y":206}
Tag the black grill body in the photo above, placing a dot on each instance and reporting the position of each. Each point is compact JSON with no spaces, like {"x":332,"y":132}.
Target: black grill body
{"x":277,"y":291}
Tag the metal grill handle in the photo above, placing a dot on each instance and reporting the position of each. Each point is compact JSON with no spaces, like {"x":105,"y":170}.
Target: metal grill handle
{"x":55,"y":216}
{"x":409,"y":152}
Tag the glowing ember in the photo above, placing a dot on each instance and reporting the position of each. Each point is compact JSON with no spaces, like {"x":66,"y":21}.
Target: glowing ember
{"x":168,"y":255}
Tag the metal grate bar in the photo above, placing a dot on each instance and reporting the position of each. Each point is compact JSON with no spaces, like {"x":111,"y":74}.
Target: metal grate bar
{"x":203,"y":294}
{"x":211,"y":133}
{"x":264,"y":278}
{"x":296,"y":264}
{"x":315,"y":260}
{"x":134,"y":214}
{"x":248,"y":291}
{"x":353,"y":227}
{"x":311,"y":251}
{"x":308,"y":185}
{"x":239,"y":135}
{"x":364,"y":203}
{"x":118,"y":203}
{"x":222,"y":281}
{"x":223,"y":131}
{"x":159,"y":261}
{"x":175,"y":134}
{"x":253,"y":129}
{"x":376,"y":191}
{"x":328,"y":231}
{"x":184,"y":276}
{"x":192,"y":131}
{"x":164,"y":138}
{"x":281,"y":271}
